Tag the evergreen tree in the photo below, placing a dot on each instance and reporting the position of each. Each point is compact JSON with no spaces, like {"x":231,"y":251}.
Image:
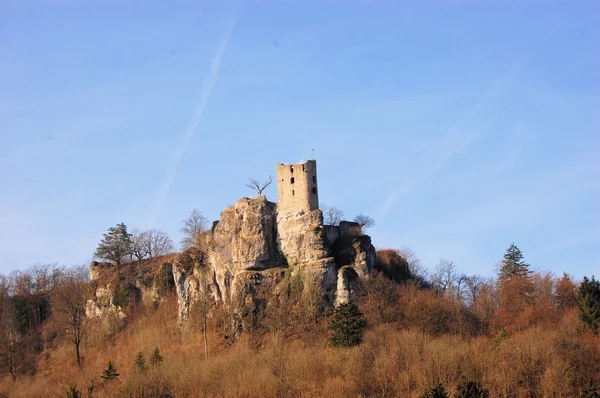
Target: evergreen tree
{"x":73,"y":392}
{"x":513,"y":265}
{"x":116,"y":245}
{"x":437,"y":391}
{"x":110,"y":373}
{"x":591,"y":390}
{"x":588,"y":302}
{"x":140,"y":363}
{"x":156,"y":359}
{"x":347,"y":326}
{"x":470,"y":389}
{"x":90,"y":388}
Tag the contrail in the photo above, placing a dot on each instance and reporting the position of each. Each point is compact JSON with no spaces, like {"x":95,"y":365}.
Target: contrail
{"x":463,"y":142}
{"x":188,"y":134}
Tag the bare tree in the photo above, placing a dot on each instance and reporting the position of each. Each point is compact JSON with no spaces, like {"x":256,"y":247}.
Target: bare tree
{"x":364,"y":221}
{"x":193,"y":225}
{"x":202,"y":308}
{"x":417,"y":270}
{"x":9,"y":336}
{"x":160,"y":243}
{"x":332,"y":215}
{"x":461,"y":286}
{"x":473,"y":284}
{"x":151,"y":243}
{"x":259,"y":187}
{"x":138,"y":247}
{"x":444,"y":276}
{"x":69,"y":306}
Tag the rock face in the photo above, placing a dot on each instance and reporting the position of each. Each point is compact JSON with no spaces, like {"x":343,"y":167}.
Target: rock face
{"x":243,"y":259}
{"x":347,"y":283}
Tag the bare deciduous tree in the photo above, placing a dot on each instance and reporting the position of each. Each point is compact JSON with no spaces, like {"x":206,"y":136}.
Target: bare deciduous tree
{"x":417,"y":270}
{"x":473,"y":284}
{"x":444,"y":276}
{"x":8,"y":330}
{"x":202,"y":308}
{"x":138,"y":246}
{"x":69,"y":306}
{"x":259,"y":187}
{"x":364,"y":221}
{"x":151,"y":243}
{"x":192,"y":226}
{"x":332,"y":215}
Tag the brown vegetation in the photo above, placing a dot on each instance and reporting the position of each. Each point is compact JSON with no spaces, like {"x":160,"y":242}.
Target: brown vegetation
{"x":518,"y":338}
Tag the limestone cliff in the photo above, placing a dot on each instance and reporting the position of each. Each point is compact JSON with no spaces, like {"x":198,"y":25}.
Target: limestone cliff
{"x":243,"y":258}
{"x":240,"y":264}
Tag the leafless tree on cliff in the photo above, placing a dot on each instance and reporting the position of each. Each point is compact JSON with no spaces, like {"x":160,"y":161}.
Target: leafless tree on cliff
{"x":332,"y":215}
{"x":192,"y":226}
{"x":138,"y":247}
{"x":151,"y":243}
{"x":69,"y":306}
{"x":259,"y":187}
{"x":364,"y":221}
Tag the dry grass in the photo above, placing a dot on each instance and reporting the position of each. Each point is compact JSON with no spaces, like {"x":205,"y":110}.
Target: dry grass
{"x":426,"y":340}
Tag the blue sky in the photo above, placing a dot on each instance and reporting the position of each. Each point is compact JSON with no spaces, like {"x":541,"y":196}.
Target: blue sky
{"x":460,"y":126}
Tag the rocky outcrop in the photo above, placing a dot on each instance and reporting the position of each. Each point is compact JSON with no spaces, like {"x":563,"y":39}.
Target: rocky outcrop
{"x":347,"y":284}
{"x":242,"y":260}
{"x":240,"y":264}
{"x":101,"y":305}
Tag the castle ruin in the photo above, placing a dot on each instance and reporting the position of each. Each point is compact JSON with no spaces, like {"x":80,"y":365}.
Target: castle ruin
{"x":297,"y":187}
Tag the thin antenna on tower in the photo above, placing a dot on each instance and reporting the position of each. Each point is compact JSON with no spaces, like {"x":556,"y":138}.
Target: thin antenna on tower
{"x":313,"y":154}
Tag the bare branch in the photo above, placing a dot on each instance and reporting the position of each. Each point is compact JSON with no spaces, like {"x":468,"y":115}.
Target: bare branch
{"x":259,"y":187}
{"x":332,"y":215}
{"x":364,"y":221}
{"x":195,"y":224}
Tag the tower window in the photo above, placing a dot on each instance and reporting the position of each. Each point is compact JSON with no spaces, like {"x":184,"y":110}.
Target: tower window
{"x":303,"y":168}
{"x":292,"y":169}
{"x":314,"y":179}
{"x":292,"y":180}
{"x":314,"y":190}
{"x":292,"y":192}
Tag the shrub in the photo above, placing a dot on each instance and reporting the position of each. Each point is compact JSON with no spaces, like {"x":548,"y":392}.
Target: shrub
{"x":437,"y":391}
{"x":470,"y":389}
{"x":73,"y":392}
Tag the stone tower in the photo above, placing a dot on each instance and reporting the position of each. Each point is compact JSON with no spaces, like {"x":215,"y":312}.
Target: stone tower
{"x":297,"y":186}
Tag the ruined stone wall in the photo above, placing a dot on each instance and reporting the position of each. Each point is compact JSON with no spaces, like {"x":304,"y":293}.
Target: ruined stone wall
{"x":349,"y":229}
{"x":297,"y":187}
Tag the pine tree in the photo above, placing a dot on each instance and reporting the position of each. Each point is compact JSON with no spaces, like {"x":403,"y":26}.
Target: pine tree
{"x":156,"y":359}
{"x":73,"y":392}
{"x":512,"y":265}
{"x":437,"y":391}
{"x":116,"y":245}
{"x":110,"y":373}
{"x":347,"y":325}
{"x":591,"y":390}
{"x":470,"y":389}
{"x":588,"y":302}
{"x":140,"y":363}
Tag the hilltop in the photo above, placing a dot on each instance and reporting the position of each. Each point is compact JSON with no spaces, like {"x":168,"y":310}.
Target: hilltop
{"x":274,"y":299}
